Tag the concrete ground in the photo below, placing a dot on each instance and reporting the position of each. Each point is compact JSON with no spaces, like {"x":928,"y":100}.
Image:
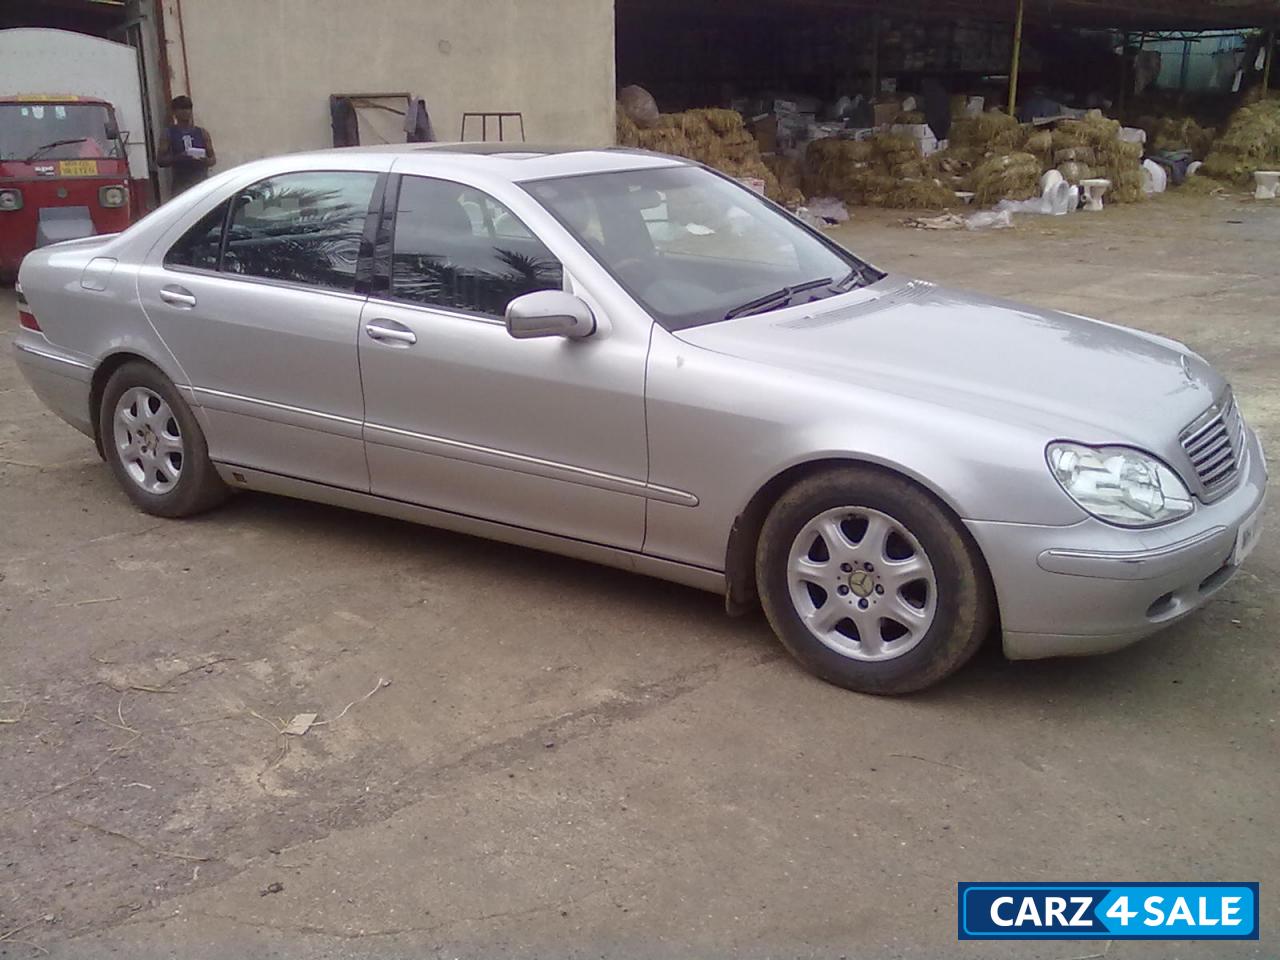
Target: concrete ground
{"x":573,"y":762}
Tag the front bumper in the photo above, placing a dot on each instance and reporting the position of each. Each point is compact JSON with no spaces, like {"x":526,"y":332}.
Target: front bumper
{"x":1092,"y":588}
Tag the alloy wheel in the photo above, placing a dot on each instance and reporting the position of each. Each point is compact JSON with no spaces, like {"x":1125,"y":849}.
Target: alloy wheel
{"x":862,"y":584}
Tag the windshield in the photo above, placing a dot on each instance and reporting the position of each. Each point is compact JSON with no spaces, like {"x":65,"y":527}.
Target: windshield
{"x":79,"y":130}
{"x":693,"y":247}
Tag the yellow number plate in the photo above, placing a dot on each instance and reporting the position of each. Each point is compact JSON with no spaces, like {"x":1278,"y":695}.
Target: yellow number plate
{"x":78,"y":168}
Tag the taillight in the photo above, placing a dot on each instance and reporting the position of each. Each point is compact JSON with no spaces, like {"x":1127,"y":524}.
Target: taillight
{"x":10,"y":199}
{"x":26,"y":318}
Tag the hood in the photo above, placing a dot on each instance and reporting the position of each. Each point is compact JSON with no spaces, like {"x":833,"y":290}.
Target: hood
{"x":1065,"y":375}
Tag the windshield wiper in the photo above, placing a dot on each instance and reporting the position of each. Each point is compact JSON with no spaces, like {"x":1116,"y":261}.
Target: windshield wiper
{"x":857,"y":277}
{"x":778,"y":296}
{"x":57,"y":143}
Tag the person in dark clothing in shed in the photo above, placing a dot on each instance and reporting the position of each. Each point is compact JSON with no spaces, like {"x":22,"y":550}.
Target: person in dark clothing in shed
{"x":185,"y":148}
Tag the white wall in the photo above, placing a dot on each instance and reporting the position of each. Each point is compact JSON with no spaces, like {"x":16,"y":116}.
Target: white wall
{"x":261,"y":71}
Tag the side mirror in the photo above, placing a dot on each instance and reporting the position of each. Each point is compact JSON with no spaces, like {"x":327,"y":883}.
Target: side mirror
{"x":549,"y":313}
{"x":113,"y":130}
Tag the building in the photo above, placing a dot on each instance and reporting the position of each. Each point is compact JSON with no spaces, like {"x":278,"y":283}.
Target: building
{"x":262,"y":72}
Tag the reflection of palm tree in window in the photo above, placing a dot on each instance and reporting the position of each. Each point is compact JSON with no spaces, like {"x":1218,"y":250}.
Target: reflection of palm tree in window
{"x":493,"y":278}
{"x":290,"y":232}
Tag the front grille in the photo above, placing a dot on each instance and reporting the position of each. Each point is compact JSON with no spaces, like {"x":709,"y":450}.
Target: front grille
{"x":1215,"y":446}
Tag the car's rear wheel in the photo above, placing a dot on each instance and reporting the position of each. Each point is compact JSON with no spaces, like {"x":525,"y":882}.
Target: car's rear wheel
{"x":154,"y":445}
{"x":871,"y":583}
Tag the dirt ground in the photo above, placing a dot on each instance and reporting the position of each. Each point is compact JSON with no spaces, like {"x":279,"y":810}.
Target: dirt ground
{"x":555,"y":760}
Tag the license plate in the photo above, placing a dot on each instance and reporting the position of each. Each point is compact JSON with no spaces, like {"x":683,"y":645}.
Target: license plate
{"x":78,"y":168}
{"x":1247,"y":537}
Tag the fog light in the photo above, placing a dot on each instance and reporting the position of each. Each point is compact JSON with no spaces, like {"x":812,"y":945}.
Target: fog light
{"x":112,"y":196}
{"x":10,"y":199}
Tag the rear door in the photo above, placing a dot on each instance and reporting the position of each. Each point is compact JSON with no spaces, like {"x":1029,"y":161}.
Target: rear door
{"x":260,"y":304}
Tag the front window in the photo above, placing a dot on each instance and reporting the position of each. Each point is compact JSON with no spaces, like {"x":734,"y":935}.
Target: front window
{"x":459,"y":249}
{"x":695,"y":248}
{"x":55,"y":131}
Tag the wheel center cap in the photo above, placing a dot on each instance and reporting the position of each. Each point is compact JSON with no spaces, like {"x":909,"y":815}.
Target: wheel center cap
{"x":861,"y":583}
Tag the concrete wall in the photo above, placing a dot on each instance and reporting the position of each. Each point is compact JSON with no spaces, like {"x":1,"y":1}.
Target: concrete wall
{"x":260,"y":71}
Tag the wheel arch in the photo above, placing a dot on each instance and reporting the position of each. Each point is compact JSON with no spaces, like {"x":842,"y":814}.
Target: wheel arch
{"x":98,"y":385}
{"x":744,"y":536}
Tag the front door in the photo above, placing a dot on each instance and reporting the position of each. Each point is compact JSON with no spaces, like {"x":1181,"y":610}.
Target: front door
{"x":265,"y":323}
{"x":545,"y":434}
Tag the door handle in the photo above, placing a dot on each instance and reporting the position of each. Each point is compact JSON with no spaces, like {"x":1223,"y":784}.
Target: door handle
{"x":390,"y":330}
{"x":178,"y":296}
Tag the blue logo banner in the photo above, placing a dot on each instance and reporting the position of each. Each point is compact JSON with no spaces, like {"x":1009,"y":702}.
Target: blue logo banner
{"x":1108,"y":911}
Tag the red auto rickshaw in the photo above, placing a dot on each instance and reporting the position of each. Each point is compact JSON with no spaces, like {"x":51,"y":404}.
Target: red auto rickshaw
{"x":64,"y":173}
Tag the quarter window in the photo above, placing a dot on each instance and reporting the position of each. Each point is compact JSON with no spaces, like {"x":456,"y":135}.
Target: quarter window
{"x":199,"y":246}
{"x":460,"y":249}
{"x":301,"y":228}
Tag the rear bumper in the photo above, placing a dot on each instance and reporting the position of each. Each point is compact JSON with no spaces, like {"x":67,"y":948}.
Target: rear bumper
{"x":1093,"y":588}
{"x":59,"y":378}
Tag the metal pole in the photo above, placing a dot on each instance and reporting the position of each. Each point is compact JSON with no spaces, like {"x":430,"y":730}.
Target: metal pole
{"x":1017,"y":61}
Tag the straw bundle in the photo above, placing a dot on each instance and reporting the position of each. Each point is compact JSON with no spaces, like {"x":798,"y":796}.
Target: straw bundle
{"x":883,"y":171}
{"x":718,"y":138}
{"x":1014,"y":176}
{"x":1250,"y":143}
{"x":628,"y":134}
{"x":1179,"y":133}
{"x":992,"y":132}
{"x":1073,"y":171}
{"x":1204,"y":186}
{"x":1040,"y":144}
{"x":1112,"y":158}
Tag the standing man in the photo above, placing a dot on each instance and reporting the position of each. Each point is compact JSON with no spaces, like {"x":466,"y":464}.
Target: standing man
{"x":186,"y":148}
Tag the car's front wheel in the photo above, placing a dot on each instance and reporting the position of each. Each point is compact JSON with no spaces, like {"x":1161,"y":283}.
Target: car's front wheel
{"x":871,"y":583}
{"x":154,"y":445}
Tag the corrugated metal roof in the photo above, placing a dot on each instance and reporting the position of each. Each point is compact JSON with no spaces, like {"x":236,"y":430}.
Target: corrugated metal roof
{"x":1127,"y":14}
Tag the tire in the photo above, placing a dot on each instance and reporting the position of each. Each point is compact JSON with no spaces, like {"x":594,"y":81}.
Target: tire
{"x":897,"y":564}
{"x":154,"y":445}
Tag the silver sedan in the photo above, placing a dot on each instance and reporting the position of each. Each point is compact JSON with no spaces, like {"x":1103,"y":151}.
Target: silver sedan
{"x":631,"y":359}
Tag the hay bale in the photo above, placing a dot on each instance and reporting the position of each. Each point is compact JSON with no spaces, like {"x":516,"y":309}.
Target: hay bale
{"x":1126,"y":186}
{"x":627,"y":133}
{"x":922,"y":194}
{"x":790,"y":175}
{"x":1014,"y":176}
{"x":1073,"y":171}
{"x":1077,"y":154}
{"x":665,"y":140}
{"x":722,"y":122}
{"x":991,"y":132}
{"x":1040,"y":144}
{"x":718,"y":138}
{"x":1179,"y":133}
{"x":1204,"y":186}
{"x":1251,"y":143}
{"x":1091,"y":147}
{"x":894,"y":147}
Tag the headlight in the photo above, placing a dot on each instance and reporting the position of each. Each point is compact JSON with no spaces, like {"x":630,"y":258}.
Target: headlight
{"x":1119,"y":485}
{"x":10,"y":199}
{"x":112,"y":196}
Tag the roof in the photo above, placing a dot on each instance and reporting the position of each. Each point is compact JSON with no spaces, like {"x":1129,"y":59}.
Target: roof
{"x":1125,"y":14}
{"x":512,"y":161}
